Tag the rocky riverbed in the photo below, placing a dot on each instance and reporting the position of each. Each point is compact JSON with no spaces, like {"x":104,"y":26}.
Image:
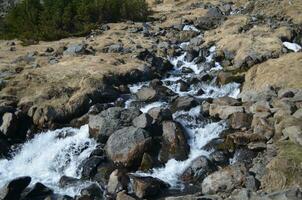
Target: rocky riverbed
{"x":203,"y":102}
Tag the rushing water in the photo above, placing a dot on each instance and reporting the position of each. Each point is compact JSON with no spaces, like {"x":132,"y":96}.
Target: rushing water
{"x":53,"y":154}
{"x":49,"y":156}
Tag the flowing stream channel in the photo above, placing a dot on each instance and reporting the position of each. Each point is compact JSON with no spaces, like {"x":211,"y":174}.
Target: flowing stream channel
{"x":50,"y":155}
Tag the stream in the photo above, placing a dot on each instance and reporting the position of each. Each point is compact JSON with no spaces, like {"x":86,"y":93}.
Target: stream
{"x":52,"y":154}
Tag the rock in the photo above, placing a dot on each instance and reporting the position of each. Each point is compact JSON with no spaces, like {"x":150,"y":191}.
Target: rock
{"x":92,"y":192}
{"x":147,"y":94}
{"x":200,"y":168}
{"x":147,"y":187}
{"x":191,"y":54}
{"x":224,"y":180}
{"x":223,"y":112}
{"x":241,"y":120}
{"x":75,"y":49}
{"x":212,"y":18}
{"x":219,"y":158}
{"x":142,"y":121}
{"x":66,"y":181}
{"x":182,"y":103}
{"x":127,"y":146}
{"x":174,"y":144}
{"x":102,"y":125}
{"x":4,"y":147}
{"x":252,"y":183}
{"x":147,"y":162}
{"x":226,"y":101}
{"x":224,"y":78}
{"x":9,"y":125}
{"x":260,"y":106}
{"x":294,"y":133}
{"x":14,"y":188}
{"x":291,"y":194}
{"x":117,"y":182}
{"x":298,"y":114}
{"x":123,"y":196}
{"x":160,"y":114}
{"x":38,"y":191}
{"x":185,"y":36}
{"x":90,"y":166}
{"x":115,"y":48}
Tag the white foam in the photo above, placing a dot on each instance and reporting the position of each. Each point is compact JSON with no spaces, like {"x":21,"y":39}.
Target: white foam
{"x":148,"y":107}
{"x":48,"y":156}
{"x":292,"y":46}
{"x":199,"y":137}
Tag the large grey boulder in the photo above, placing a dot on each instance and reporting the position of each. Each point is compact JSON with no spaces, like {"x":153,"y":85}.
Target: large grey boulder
{"x":102,"y":125}
{"x":127,"y":146}
{"x":224,"y":180}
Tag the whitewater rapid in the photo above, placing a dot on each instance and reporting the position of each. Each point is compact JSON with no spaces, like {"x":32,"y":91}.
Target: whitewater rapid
{"x":49,"y":156}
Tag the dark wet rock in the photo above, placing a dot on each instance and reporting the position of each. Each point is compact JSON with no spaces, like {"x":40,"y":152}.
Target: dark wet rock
{"x":92,"y":192}
{"x":224,"y":180}
{"x":241,"y":120}
{"x":127,"y":146}
{"x":183,"y":86}
{"x":142,"y":121}
{"x":182,"y":103}
{"x":102,"y":125}
{"x":213,"y":18}
{"x":66,"y":181}
{"x":243,"y":155}
{"x":148,"y":187}
{"x":219,"y":158}
{"x":191,"y":54}
{"x":4,"y":146}
{"x":200,"y":168}
{"x":155,"y":83}
{"x":89,"y":166}
{"x":14,"y":188}
{"x":186,"y":70}
{"x":174,"y":143}
{"x":37,"y":191}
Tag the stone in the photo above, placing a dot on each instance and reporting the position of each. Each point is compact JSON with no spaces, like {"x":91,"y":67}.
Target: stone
{"x":142,"y":121}
{"x":298,"y":113}
{"x":252,"y":183}
{"x":9,"y":125}
{"x":240,"y":120}
{"x":114,"y":184}
{"x":200,"y":168}
{"x":127,"y":146}
{"x":123,"y":196}
{"x":38,"y":191}
{"x":182,"y":103}
{"x":226,"y":101}
{"x":66,"y":181}
{"x":102,"y":125}
{"x":115,"y":48}
{"x":174,"y":142}
{"x":146,"y":94}
{"x":160,"y":114}
{"x":91,"y":192}
{"x":14,"y":188}
{"x":224,"y":180}
{"x":89,"y":166}
{"x":294,"y":133}
{"x":224,"y":78}
{"x":223,"y":112}
{"x":75,"y":49}
{"x":147,"y":162}
{"x":147,"y":187}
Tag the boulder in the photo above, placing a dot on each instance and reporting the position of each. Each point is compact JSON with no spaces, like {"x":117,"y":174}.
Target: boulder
{"x":117,"y":182}
{"x":210,"y":20}
{"x":226,"y":101}
{"x":241,"y":120}
{"x":14,"y":188}
{"x":147,"y":94}
{"x":142,"y":121}
{"x":148,"y":187}
{"x":102,"y":125}
{"x":92,"y":192}
{"x":224,"y":180}
{"x":294,"y":133}
{"x":174,"y":142}
{"x":160,"y":114}
{"x":66,"y":181}
{"x":200,"y":168}
{"x":223,"y":112}
{"x":38,"y":191}
{"x":75,"y":49}
{"x":127,"y":146}
{"x":89,"y":166}
{"x":123,"y":196}
{"x":182,"y":103}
